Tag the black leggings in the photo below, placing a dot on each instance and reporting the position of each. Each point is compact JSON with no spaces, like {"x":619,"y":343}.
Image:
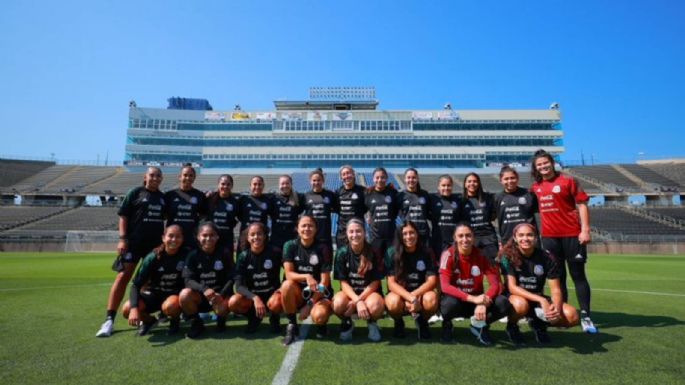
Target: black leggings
{"x":452,"y":307}
{"x":570,"y":250}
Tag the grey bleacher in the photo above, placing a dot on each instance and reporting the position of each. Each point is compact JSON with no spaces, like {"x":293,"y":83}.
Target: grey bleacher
{"x":649,"y":176}
{"x":12,"y":216}
{"x":614,"y":220}
{"x":119,"y":183}
{"x":672,"y":171}
{"x":607,"y":174}
{"x":673,"y":212}
{"x":81,"y":218}
{"x":14,"y":171}
{"x":37,"y":181}
{"x":76,"y":178}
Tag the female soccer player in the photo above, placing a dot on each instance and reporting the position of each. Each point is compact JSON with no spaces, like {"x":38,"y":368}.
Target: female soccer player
{"x":479,"y":212}
{"x":307,"y":264}
{"x":444,"y":215}
{"x":157,"y":284}
{"x":565,"y":223}
{"x":208,"y":276}
{"x":223,"y":210}
{"x":514,"y":205}
{"x":285,"y":208}
{"x":413,"y":204}
{"x":462,"y":269}
{"x":257,"y":280}
{"x":320,"y":203}
{"x":412,"y":280}
{"x":381,"y":202}
{"x":359,"y":271}
{"x":185,"y":205}
{"x":254,"y":207}
{"x":141,"y":225}
{"x":527,"y":267}
{"x":351,"y":199}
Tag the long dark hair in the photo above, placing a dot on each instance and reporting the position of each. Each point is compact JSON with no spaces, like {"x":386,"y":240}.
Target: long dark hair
{"x":242,"y":241}
{"x":399,"y":250}
{"x":371,"y":186}
{"x":418,"y":184}
{"x":160,"y":250}
{"x":479,"y":193}
{"x":365,"y":257}
{"x":541,"y":154}
{"x":215,"y":196}
{"x":510,"y":250}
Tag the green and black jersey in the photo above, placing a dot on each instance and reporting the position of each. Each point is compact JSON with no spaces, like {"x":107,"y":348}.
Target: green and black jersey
{"x":253,"y":209}
{"x":283,"y":219}
{"x":144,"y":211}
{"x":259,"y":273}
{"x":514,"y":208}
{"x":224,"y":213}
{"x":382,"y":207}
{"x":184,"y":208}
{"x":203,"y":271}
{"x":160,"y":275}
{"x":418,"y":266}
{"x":480,"y":214}
{"x":347,"y":267}
{"x":534,"y":270}
{"x":313,"y":260}
{"x":321,"y":205}
{"x":351,"y":206}
{"x":414,"y":207}
{"x":444,"y":216}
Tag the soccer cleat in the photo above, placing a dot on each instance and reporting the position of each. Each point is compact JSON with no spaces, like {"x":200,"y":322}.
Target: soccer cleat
{"x":374,"y":331}
{"x":346,"y":330}
{"x":321,"y":331}
{"x":106,"y":329}
{"x":482,"y":335}
{"x":398,"y":330}
{"x":435,"y":318}
{"x":197,"y":327}
{"x":145,"y":327}
{"x":174,"y":326}
{"x":540,"y":331}
{"x":252,"y":324}
{"x":514,"y":334}
{"x":422,"y":329}
{"x":275,"y":322}
{"x":220,"y":324}
{"x":446,"y":334}
{"x":291,"y":333}
{"x":163,"y":318}
{"x":587,"y":324}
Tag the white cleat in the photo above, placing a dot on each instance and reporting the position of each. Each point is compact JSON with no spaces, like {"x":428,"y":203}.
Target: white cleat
{"x":106,"y":329}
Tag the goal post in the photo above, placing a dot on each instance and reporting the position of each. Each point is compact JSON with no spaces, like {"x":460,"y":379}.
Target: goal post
{"x":85,"y":241}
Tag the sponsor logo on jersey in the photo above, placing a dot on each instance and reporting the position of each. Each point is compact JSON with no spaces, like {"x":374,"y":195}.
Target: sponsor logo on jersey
{"x":420,"y":266}
{"x":522,"y":200}
{"x":218,"y":265}
{"x":388,"y":199}
{"x":268,"y":264}
{"x":313,"y":259}
{"x":556,"y":189}
{"x":538,"y":270}
{"x":193,"y":200}
{"x":179,"y":265}
{"x":475,"y":271}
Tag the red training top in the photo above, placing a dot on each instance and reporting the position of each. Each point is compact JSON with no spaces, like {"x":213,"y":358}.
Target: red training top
{"x":557,"y":199}
{"x":461,"y":276}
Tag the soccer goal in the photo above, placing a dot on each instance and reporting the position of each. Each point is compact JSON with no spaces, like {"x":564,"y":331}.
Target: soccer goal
{"x":91,"y":241}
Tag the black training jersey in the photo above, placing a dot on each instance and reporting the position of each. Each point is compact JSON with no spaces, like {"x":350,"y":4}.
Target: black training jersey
{"x":414,"y":207}
{"x":534,"y":270}
{"x":382,"y":207}
{"x":283,"y":219}
{"x":184,"y":208}
{"x":224,"y":213}
{"x":253,"y":209}
{"x":347,"y":266}
{"x":514,"y":208}
{"x":144,"y":211}
{"x":321,"y":205}
{"x":480,"y":215}
{"x":161,"y":275}
{"x":259,"y":273}
{"x":313,"y":260}
{"x":351,"y":206}
{"x":203,"y":271}
{"x":417,"y":267}
{"x":444,"y":216}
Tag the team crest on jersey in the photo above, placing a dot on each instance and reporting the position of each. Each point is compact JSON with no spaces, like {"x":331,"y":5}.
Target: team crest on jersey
{"x":454,"y":205}
{"x":262,"y":206}
{"x":481,"y":204}
{"x":179,"y":266}
{"x":538,"y":270}
{"x":326,"y":200}
{"x":268,"y":264}
{"x":475,"y":271}
{"x":422,"y":200}
{"x":128,"y":256}
{"x":355,"y":196}
{"x":229,"y":207}
{"x":161,"y":200}
{"x":420,"y":266}
{"x":193,"y":200}
{"x":388,"y":199}
{"x":313,"y":259}
{"x":556,"y":189}
{"x":522,"y":200}
{"x":218,"y":265}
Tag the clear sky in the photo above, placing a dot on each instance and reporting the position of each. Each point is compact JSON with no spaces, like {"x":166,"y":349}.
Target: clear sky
{"x":69,"y":68}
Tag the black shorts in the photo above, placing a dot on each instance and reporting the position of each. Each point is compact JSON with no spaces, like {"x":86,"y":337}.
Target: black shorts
{"x":133,"y":255}
{"x":153,"y":300}
{"x":566,"y":248}
{"x":490,"y":251}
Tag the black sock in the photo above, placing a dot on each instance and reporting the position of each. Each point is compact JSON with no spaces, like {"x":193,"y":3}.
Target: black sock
{"x":111,"y":314}
{"x":292,"y":318}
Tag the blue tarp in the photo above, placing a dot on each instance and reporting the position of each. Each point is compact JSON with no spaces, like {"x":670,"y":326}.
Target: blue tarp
{"x":178,"y":103}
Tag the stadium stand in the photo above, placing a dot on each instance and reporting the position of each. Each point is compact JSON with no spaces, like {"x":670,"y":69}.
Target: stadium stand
{"x":37,"y":181}
{"x":15,"y":216}
{"x":674,"y":171}
{"x":607,"y":174}
{"x":677,"y":213}
{"x":81,"y":218}
{"x":649,"y":176}
{"x":76,"y":178}
{"x":622,"y":221}
{"x":14,"y":171}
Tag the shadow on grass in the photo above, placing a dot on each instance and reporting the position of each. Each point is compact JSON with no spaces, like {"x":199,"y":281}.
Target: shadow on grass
{"x":235,"y":328}
{"x":606,"y":320}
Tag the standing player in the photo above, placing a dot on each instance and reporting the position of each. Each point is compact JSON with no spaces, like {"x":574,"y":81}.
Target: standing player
{"x":412,"y":280}
{"x":381,"y":202}
{"x":359,"y":271}
{"x":285,"y":208}
{"x":257,"y":280}
{"x":527,"y":267}
{"x":565,"y":222}
{"x":320,"y":204}
{"x":514,"y":204}
{"x":307,"y":285}
{"x":255,"y":206}
{"x":444,"y":214}
{"x":208,"y":276}
{"x":141,"y":225}
{"x":351,"y":199}
{"x":185,"y":205}
{"x":462,"y":269}
{"x":413,"y":204}
{"x":223,"y":210}
{"x":157,"y":284}
{"x":479,"y":212}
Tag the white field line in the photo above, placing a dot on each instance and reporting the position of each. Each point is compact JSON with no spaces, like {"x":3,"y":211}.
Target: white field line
{"x":635,"y":292}
{"x":291,"y":357}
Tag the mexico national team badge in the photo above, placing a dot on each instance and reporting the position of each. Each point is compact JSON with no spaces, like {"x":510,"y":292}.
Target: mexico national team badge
{"x":522,"y":200}
{"x":420,"y":266}
{"x":262,"y":206}
{"x":229,"y":207}
{"x":538,"y":270}
{"x":314,"y":259}
{"x":475,"y":271}
{"x":388,"y":199}
{"x":218,"y":265}
{"x":556,"y":189}
{"x":193,"y":200}
{"x":179,"y":266}
{"x":268,"y":264}
{"x":422,"y":200}
{"x":454,"y":205}
{"x":326,"y":200}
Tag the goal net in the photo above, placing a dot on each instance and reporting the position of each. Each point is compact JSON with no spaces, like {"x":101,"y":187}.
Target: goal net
{"x":91,"y":241}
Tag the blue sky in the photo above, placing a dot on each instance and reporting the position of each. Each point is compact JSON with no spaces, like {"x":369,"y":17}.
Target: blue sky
{"x":617,"y":68}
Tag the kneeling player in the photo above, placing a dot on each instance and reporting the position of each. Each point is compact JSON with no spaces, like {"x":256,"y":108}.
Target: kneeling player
{"x":527,"y":267}
{"x":359,"y":270}
{"x":307,"y":286}
{"x":208,"y":278}
{"x":161,"y":276}
{"x":257,"y":280}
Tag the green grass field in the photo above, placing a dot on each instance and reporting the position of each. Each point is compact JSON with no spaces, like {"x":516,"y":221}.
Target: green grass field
{"x":51,"y":305}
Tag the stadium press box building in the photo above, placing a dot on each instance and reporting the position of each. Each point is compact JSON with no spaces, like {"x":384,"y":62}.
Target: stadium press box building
{"x":336,"y":126}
